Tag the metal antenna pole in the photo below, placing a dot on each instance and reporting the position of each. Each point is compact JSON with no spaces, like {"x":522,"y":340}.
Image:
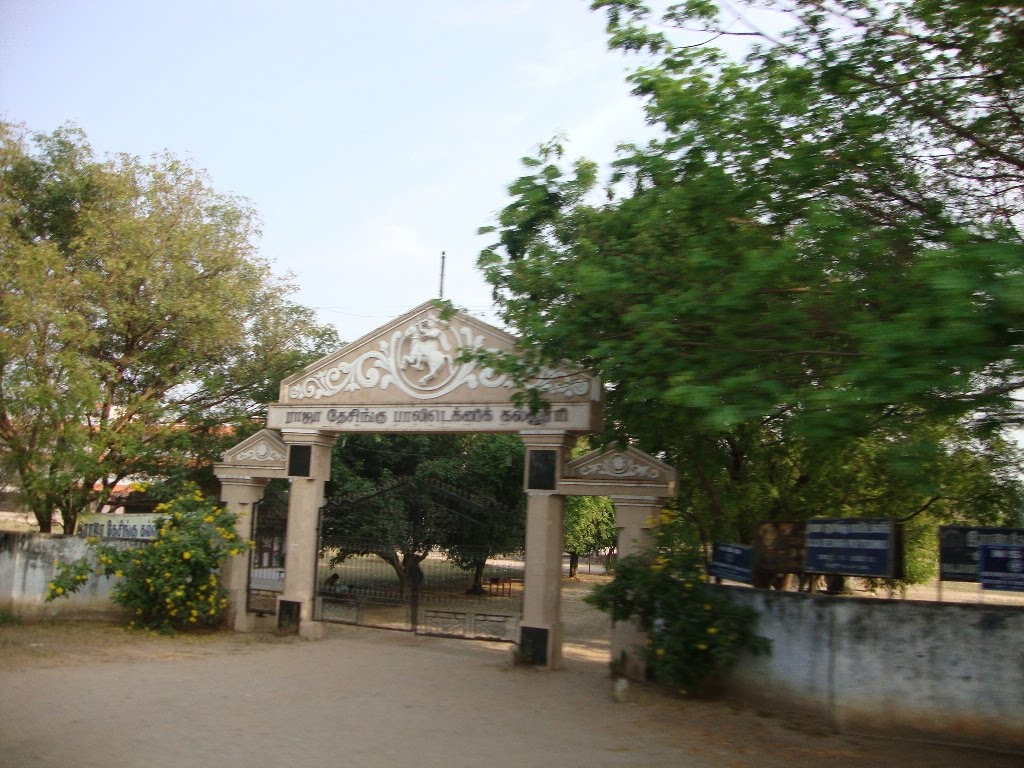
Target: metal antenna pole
{"x":441,"y":293}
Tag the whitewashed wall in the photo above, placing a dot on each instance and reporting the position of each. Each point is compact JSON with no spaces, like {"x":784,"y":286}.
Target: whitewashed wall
{"x":938,"y":670}
{"x":27,"y":564}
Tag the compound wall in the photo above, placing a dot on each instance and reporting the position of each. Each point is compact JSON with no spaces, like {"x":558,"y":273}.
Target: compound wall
{"x":28,"y":562}
{"x":944,"y":671}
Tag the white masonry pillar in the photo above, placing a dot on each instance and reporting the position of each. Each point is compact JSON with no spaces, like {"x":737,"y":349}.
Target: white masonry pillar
{"x":541,"y":630}
{"x":309,"y":468}
{"x":635,"y":518}
{"x":239,"y":495}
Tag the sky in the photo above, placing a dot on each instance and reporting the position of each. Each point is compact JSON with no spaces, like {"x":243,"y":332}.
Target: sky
{"x":370,"y":137}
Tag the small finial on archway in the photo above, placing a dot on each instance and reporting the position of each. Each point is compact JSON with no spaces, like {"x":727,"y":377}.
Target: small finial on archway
{"x":440,"y":293}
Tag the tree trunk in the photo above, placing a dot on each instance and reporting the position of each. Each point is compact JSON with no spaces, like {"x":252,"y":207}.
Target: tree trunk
{"x":411,"y":565}
{"x":574,"y":564}
{"x":478,"y":578}
{"x":392,"y":559}
{"x":45,"y":522}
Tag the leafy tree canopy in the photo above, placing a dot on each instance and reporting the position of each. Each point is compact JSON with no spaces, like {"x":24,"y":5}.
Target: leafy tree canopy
{"x":818,"y":258}
{"x":136,"y":320}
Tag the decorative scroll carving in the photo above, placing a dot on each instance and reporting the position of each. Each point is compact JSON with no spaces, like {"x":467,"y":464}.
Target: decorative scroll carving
{"x":619,"y":465}
{"x":565,"y":383}
{"x":261,"y":452}
{"x":421,"y":361}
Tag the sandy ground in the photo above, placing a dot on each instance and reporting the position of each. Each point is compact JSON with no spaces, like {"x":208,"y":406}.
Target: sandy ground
{"x":99,"y":696}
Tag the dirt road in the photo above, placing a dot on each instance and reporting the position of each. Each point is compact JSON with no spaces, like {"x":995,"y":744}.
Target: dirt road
{"x":94,"y":696}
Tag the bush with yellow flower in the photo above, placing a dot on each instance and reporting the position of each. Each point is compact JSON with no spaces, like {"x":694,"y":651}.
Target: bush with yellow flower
{"x":172,"y":581}
{"x":694,"y":631}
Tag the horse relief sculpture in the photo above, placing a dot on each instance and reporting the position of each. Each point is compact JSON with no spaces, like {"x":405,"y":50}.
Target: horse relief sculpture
{"x":428,"y":349}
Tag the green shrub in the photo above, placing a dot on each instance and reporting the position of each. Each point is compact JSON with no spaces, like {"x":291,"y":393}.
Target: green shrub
{"x":172,"y":581}
{"x":694,"y":631}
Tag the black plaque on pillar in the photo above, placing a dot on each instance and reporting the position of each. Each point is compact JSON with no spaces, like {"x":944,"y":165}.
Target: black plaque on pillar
{"x":288,"y":614}
{"x":300,"y":458}
{"x":533,"y":645}
{"x":541,"y":471}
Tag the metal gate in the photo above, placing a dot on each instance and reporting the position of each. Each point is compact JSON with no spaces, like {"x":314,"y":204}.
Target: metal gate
{"x":417,"y":579}
{"x":266,"y":559}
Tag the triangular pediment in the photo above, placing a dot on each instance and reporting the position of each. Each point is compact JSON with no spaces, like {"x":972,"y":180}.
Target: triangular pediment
{"x":614,"y":463}
{"x":264,"y":450}
{"x":414,"y":360}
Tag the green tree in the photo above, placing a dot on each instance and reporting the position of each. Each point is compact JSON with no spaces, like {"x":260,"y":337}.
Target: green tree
{"x":136,"y":320}
{"x":400,"y":496}
{"x":487,"y":516}
{"x":589,"y":527}
{"x":817,"y":259}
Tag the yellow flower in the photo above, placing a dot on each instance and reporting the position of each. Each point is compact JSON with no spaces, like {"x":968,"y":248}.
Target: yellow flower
{"x":208,"y":519}
{"x":660,"y":652}
{"x":688,"y":585}
{"x":186,"y":555}
{"x":59,"y":590}
{"x":118,"y":573}
{"x":702,"y":646}
{"x":712,"y":630}
{"x":707,"y":606}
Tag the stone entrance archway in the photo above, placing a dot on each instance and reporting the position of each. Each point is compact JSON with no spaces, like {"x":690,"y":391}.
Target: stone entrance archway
{"x":408,"y":377}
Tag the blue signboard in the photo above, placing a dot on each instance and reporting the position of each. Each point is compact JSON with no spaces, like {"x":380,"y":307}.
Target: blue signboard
{"x":733,"y":562}
{"x":853,"y":547}
{"x":958,"y":548}
{"x":1002,"y":567}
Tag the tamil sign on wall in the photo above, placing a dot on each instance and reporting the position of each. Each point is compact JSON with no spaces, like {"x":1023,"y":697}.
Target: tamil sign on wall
{"x":117,"y":526}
